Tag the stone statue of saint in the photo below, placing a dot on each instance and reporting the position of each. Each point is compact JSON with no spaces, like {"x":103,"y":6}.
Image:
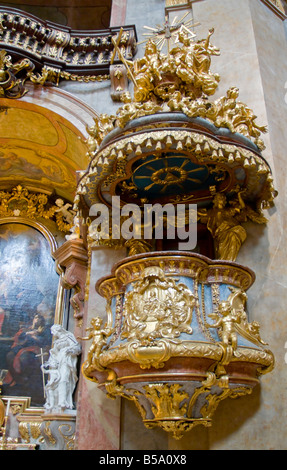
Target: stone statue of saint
{"x":61,"y":369}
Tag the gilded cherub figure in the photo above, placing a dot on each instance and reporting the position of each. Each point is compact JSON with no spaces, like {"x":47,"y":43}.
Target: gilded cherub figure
{"x":231,"y":320}
{"x":190,"y":64}
{"x":99,"y":337}
{"x":180,"y":59}
{"x":226,"y":320}
{"x":132,"y":109}
{"x":222,"y":110}
{"x":67,"y":213}
{"x":250,"y":331}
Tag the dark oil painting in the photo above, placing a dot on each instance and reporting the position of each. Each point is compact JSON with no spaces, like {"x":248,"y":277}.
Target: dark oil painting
{"x":28,"y":292}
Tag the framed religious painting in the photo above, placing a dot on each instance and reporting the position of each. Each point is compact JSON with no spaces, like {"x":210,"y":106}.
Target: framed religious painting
{"x":29,"y":289}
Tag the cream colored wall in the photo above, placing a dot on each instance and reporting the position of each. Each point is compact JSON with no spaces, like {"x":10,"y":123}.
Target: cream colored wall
{"x":253,"y":57}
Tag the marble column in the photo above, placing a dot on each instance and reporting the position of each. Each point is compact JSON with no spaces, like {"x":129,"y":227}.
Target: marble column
{"x":98,"y":418}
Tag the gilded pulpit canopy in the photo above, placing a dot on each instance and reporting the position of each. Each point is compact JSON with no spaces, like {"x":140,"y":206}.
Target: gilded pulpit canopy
{"x":170,"y":143}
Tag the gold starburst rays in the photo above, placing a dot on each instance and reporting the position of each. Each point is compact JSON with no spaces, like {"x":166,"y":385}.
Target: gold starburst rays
{"x":170,"y":175}
{"x":164,"y":34}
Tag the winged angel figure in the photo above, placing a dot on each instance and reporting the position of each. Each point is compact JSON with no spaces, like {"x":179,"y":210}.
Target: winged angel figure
{"x":231,"y":319}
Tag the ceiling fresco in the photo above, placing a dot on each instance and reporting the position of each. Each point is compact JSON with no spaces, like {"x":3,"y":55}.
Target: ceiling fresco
{"x":39,"y":149}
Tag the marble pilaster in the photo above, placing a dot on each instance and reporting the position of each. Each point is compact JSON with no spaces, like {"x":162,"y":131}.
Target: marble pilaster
{"x":98,"y":418}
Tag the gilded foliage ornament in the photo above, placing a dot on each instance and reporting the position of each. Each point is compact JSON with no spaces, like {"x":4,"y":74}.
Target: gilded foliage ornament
{"x":20,"y":202}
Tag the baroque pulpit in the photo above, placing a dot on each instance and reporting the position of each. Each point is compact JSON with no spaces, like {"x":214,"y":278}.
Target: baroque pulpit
{"x":172,"y":179}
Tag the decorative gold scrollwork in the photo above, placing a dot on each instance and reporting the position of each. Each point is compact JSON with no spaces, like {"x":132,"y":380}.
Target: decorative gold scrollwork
{"x":10,"y":85}
{"x":153,"y":356}
{"x":176,"y":407}
{"x":20,"y":202}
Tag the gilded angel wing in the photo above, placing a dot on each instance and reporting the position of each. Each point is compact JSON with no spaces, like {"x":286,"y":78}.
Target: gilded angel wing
{"x":249,"y":331}
{"x":255,"y":216}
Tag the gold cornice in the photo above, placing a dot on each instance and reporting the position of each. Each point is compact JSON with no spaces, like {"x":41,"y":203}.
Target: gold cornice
{"x":187,"y":264}
{"x":274,"y":5}
{"x":192,"y":349}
